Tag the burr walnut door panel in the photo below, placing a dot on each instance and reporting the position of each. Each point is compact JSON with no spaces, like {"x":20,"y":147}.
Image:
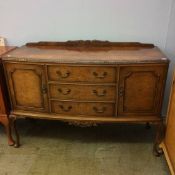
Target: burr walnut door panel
{"x":140,"y":90}
{"x":27,"y":86}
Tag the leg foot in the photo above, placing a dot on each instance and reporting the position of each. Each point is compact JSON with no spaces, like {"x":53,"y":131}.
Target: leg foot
{"x":157,"y":151}
{"x":147,"y":125}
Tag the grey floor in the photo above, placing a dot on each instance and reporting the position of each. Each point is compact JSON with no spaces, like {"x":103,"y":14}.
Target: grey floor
{"x":55,"y":148}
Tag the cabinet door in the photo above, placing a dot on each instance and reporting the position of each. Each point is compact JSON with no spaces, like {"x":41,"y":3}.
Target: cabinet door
{"x":141,"y":90}
{"x":27,"y":86}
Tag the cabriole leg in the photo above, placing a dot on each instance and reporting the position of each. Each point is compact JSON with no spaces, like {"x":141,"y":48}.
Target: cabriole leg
{"x":159,"y":136}
{"x":14,"y":128}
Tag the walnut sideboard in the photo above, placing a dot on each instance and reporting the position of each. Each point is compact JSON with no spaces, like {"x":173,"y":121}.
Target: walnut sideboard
{"x":87,"y":82}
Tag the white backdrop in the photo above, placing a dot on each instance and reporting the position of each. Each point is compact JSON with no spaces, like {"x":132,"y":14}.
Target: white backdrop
{"x":115,"y":20}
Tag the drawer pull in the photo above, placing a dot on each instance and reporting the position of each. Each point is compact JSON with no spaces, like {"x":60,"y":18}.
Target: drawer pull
{"x":65,"y":75}
{"x":97,"y":110}
{"x":66,"y":92}
{"x":100,"y":94}
{"x":102,"y":76}
{"x":64,"y":109}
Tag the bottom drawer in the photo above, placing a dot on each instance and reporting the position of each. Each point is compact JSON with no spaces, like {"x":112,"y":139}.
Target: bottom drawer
{"x":83,"y":108}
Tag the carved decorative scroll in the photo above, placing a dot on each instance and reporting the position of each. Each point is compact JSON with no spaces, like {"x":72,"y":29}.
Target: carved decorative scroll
{"x":83,"y":123}
{"x":89,"y":44}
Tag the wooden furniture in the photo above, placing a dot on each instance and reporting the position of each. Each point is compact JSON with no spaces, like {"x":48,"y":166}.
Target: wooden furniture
{"x":87,"y":82}
{"x":4,"y":107}
{"x":168,"y":143}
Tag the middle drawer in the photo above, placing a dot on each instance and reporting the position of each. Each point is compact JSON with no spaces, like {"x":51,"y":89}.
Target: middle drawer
{"x":82,"y":92}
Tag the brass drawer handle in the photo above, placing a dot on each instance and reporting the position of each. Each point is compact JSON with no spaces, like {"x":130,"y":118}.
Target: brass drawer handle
{"x":65,"y":75}
{"x":97,"y":110}
{"x":65,"y":92}
{"x":64,"y":109}
{"x":102,"y":94}
{"x":102,"y":76}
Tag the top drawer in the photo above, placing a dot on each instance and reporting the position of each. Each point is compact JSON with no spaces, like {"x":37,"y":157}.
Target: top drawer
{"x":101,"y":74}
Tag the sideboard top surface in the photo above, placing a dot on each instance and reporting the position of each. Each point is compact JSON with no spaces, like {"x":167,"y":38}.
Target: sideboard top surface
{"x":86,"y":53}
{"x":5,"y":49}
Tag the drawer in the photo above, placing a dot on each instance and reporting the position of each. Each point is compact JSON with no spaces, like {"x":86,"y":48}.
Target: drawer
{"x":82,"y":92}
{"x":101,"y":74}
{"x":77,"y":108}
